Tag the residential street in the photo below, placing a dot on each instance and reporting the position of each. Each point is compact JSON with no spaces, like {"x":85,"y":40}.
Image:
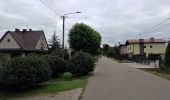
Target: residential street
{"x":116,"y":81}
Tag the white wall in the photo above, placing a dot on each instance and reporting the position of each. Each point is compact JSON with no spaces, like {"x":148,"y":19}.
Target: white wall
{"x":4,"y":44}
{"x":41,"y":44}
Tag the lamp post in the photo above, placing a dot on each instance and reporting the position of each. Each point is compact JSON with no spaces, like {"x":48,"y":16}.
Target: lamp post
{"x":64,"y":17}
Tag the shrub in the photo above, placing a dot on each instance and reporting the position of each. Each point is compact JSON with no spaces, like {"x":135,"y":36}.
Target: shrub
{"x":81,"y":64}
{"x":24,"y":72}
{"x":67,"y":76}
{"x":73,"y":53}
{"x":167,"y":57}
{"x":57,"y":65}
{"x":66,"y":55}
{"x":4,"y":59}
{"x":59,"y":53}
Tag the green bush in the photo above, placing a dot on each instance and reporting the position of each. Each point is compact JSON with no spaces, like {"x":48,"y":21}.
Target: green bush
{"x":81,"y":64}
{"x":167,"y":58}
{"x":66,"y":55}
{"x":59,"y":53}
{"x":4,"y":59}
{"x":73,"y":53}
{"x":67,"y":76}
{"x":57,"y":65}
{"x":24,"y":72}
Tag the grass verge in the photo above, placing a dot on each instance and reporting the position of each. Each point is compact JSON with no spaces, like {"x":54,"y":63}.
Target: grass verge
{"x":157,"y":72}
{"x":64,"y":83}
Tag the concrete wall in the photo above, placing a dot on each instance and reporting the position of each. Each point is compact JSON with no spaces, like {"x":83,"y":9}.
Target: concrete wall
{"x":4,"y":44}
{"x":42,"y":44}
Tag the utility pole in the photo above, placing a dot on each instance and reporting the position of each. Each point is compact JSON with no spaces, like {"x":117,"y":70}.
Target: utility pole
{"x":63,"y":17}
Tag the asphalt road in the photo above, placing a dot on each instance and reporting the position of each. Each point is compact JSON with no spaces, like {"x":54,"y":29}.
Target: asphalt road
{"x":116,"y":81}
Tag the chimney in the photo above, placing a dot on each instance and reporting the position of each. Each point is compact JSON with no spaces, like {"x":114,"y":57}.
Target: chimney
{"x":30,"y":29}
{"x":141,"y":46}
{"x":16,"y":30}
{"x":141,"y":40}
{"x":24,"y":30}
{"x":151,"y":39}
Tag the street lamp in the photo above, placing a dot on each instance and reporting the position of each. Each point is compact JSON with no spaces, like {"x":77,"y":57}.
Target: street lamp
{"x":63,"y":17}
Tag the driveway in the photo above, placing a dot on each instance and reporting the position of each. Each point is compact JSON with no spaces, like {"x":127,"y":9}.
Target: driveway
{"x":116,"y":81}
{"x":135,"y":65}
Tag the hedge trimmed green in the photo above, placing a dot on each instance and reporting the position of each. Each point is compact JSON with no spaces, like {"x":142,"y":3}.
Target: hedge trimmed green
{"x":81,"y":64}
{"x":57,"y":65}
{"x":24,"y":72}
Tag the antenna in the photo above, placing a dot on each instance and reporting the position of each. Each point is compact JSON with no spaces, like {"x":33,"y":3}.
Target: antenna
{"x":140,"y":35}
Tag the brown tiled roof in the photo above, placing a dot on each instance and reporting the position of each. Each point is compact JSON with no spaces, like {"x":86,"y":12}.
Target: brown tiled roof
{"x":27,"y":40}
{"x":136,"y":41}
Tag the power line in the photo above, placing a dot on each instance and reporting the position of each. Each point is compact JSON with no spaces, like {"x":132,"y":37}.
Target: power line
{"x":153,"y":27}
{"x":151,"y":32}
{"x":50,"y":8}
{"x":55,"y":6}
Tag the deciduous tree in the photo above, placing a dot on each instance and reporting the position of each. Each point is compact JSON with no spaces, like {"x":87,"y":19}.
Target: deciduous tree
{"x":83,"y":37}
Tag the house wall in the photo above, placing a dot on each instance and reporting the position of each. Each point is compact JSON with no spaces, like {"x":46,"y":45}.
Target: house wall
{"x":4,"y":44}
{"x":136,"y":49}
{"x":157,"y":48}
{"x":123,"y":50}
{"x":42,"y":44}
{"x":133,"y":48}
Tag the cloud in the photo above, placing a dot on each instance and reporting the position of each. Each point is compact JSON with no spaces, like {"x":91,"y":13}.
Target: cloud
{"x":116,"y":20}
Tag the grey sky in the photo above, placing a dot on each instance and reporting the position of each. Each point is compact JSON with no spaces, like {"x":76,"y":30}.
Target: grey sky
{"x":116,"y":20}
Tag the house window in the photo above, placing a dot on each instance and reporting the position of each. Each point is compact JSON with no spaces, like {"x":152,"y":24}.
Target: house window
{"x":150,"y":46}
{"x":8,"y":40}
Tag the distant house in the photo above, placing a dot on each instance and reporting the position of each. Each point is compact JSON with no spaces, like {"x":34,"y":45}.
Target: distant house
{"x":123,"y":49}
{"x":145,"y":46}
{"x":23,"y":42}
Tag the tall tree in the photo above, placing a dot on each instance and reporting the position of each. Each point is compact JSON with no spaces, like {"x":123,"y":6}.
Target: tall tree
{"x":54,"y":42}
{"x":83,"y":37}
{"x":105,"y":49}
{"x":167,"y":57}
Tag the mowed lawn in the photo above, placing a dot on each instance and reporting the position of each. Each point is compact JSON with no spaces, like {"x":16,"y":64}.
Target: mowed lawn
{"x":63,"y":83}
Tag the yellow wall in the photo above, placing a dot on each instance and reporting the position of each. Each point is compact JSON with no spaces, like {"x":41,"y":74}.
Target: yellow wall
{"x":133,"y":48}
{"x":157,"y":48}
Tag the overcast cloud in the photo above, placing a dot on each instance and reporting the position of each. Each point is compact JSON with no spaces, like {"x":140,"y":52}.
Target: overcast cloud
{"x":116,"y":20}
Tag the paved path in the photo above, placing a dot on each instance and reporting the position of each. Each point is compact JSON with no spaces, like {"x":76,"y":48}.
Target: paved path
{"x":116,"y":81}
{"x":136,"y":65}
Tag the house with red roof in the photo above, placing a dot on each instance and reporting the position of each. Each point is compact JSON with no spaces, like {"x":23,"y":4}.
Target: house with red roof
{"x":144,"y":47}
